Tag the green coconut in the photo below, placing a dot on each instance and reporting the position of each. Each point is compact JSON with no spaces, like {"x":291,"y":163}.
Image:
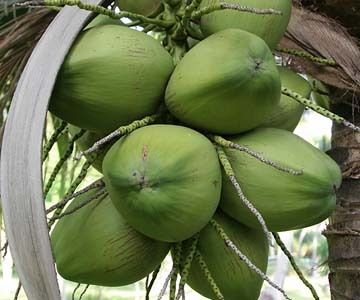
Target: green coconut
{"x":270,"y":28}
{"x":112,"y":76}
{"x":143,"y":7}
{"x":87,"y":141}
{"x":165,"y":180}
{"x":228,"y":83}
{"x":102,"y":20}
{"x":289,"y":112}
{"x":233,"y":277}
{"x":96,"y":246}
{"x":285,"y":201}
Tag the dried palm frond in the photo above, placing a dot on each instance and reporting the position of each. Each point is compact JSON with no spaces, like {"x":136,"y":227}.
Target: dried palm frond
{"x":9,"y":10}
{"x":17,"y":39}
{"x":322,"y":36}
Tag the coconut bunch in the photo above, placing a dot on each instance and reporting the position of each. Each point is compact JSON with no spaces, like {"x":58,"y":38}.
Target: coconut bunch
{"x":193,"y":135}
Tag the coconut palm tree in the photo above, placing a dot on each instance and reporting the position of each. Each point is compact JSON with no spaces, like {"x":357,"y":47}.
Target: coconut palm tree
{"x":323,"y":28}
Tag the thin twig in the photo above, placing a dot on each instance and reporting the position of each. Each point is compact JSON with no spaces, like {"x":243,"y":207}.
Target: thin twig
{"x":328,"y":114}
{"x":241,"y":8}
{"x":245,"y":259}
{"x":231,"y":175}
{"x":97,"y":184}
{"x":204,"y":268}
{"x":62,"y":160}
{"x":183,"y":293}
{"x":99,"y":10}
{"x":123,"y":130}
{"x":150,"y":285}
{"x":74,"y":186}
{"x":184,"y":272}
{"x":307,"y":55}
{"x":54,"y":137}
{"x":17,"y":292}
{"x":84,"y":291}
{"x":98,"y":196}
{"x":5,"y":248}
{"x":295,"y":266}
{"x":176,"y":266}
{"x":74,"y":291}
{"x":229,"y":144}
{"x":166,"y":283}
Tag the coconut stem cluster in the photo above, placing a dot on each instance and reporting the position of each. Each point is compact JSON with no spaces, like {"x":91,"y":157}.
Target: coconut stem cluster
{"x":106,"y":12}
{"x":231,"y":175}
{"x":75,"y":290}
{"x":84,"y":291}
{"x":229,"y":144}
{"x":101,"y":194}
{"x":208,"y":275}
{"x":175,"y":269}
{"x":307,"y":55}
{"x":73,"y":187}
{"x":326,"y":113}
{"x":152,"y":281}
{"x":175,"y":19}
{"x":244,"y":258}
{"x":62,"y":160}
{"x":166,"y":283}
{"x":241,"y":8}
{"x":97,"y":184}
{"x":53,"y":139}
{"x":121,"y":131}
{"x":295,"y":266}
{"x":184,"y":272}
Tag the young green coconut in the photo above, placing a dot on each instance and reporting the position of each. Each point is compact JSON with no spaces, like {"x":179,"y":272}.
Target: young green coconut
{"x":269,"y":27}
{"x":95,"y":245}
{"x":113,"y":75}
{"x":233,"y":277}
{"x":288,"y":113}
{"x":227,"y":84}
{"x":285,"y":201}
{"x":165,"y":180}
{"x":102,"y":20}
{"x":143,"y":7}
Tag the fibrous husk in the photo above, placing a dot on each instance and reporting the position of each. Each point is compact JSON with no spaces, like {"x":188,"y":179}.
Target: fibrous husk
{"x":269,"y":27}
{"x":165,"y":180}
{"x":229,"y":90}
{"x":288,"y":112}
{"x":286,"y":202}
{"x":95,"y":245}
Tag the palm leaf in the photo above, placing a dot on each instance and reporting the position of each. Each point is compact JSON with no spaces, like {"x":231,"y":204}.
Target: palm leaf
{"x":18,"y":37}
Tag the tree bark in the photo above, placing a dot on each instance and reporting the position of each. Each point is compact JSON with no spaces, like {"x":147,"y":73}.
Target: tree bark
{"x":343,"y":232}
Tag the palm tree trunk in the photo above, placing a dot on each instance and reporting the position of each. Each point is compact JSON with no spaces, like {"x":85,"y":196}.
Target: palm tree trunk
{"x":343,"y":232}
